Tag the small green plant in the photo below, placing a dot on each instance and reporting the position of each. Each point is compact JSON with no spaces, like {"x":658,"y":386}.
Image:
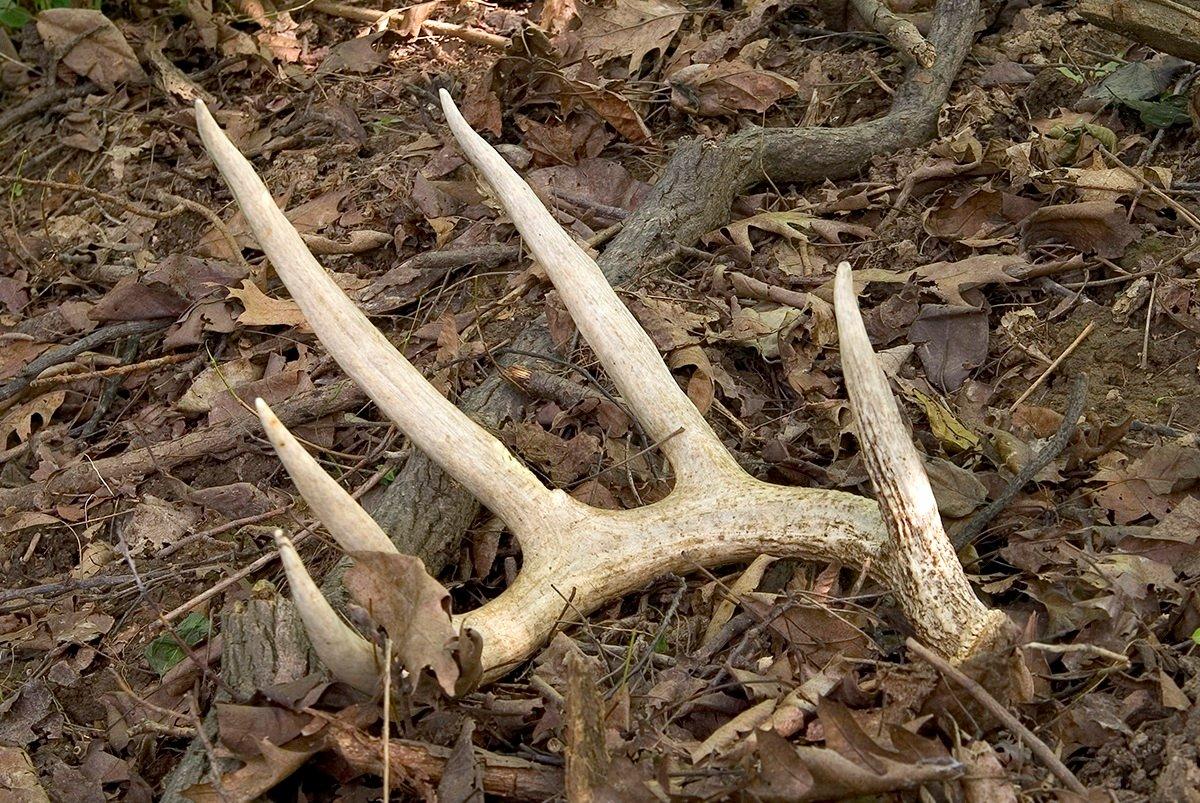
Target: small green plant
{"x":383,"y":124}
{"x":165,"y":651}
{"x":15,"y":14}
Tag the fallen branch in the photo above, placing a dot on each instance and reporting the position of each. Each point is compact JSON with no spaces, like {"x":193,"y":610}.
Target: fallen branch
{"x":395,"y":19}
{"x":91,"y":475}
{"x":1002,"y":715}
{"x":106,"y":373}
{"x":1051,"y":450}
{"x":1166,"y":25}
{"x":504,"y":776}
{"x":903,"y":35}
{"x":62,"y":354}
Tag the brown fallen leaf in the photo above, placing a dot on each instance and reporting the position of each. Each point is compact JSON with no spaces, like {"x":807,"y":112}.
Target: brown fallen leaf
{"x":714,"y":90}
{"x":788,"y":772}
{"x":957,"y":491}
{"x":18,"y":776}
{"x":612,"y":107}
{"x":214,"y":382}
{"x":134,"y":299}
{"x":954,"y":278}
{"x":981,"y":213}
{"x":629,"y":29}
{"x":90,"y":45}
{"x":259,"y":775}
{"x":1153,"y":485}
{"x":951,"y":342}
{"x":19,"y":422}
{"x":262,"y":310}
{"x":1098,"y":227}
{"x":985,"y":780}
{"x":412,"y":608}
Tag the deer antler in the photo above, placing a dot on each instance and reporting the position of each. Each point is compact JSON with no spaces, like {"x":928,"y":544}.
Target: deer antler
{"x":716,"y":513}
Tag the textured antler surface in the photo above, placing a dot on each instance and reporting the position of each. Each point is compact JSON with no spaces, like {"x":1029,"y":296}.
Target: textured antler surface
{"x":716,"y":513}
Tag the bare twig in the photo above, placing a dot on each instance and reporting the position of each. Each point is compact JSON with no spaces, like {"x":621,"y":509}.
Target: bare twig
{"x":204,"y":442}
{"x":1093,"y":649}
{"x":1146,"y":332}
{"x":115,"y":371}
{"x":88,"y":342}
{"x":1037,"y":383}
{"x":1051,"y":450}
{"x":171,"y":549}
{"x":40,"y":102}
{"x":1002,"y":714}
{"x":372,"y":17}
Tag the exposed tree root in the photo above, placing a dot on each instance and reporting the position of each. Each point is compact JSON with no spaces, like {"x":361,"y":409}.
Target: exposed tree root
{"x":426,"y":513}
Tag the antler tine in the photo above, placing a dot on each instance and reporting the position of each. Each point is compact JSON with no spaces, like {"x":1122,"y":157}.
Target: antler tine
{"x":924,"y":563}
{"x":463,"y":448}
{"x":348,"y":656}
{"x":628,"y":354}
{"x":350,"y":525}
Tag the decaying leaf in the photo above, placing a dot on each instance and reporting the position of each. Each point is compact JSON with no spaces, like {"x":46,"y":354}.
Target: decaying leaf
{"x":629,"y":29}
{"x":1153,"y":485}
{"x":727,"y":87}
{"x":90,"y":45}
{"x":954,"y":278}
{"x":259,"y":309}
{"x":19,"y":422}
{"x":259,"y":775}
{"x":215,"y":381}
{"x":1096,"y":227}
{"x":951,"y":342}
{"x":945,"y":426}
{"x":413,"y":609}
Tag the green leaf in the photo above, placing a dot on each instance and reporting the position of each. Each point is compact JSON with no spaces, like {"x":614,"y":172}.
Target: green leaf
{"x":1172,"y":110}
{"x":1074,"y":76}
{"x":164,"y":652}
{"x":1196,"y":635}
{"x":12,"y":15}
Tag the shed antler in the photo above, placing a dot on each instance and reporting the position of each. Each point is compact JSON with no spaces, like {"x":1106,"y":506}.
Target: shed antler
{"x":716,"y":514}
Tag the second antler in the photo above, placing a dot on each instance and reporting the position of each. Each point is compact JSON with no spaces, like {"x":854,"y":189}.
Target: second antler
{"x":717,"y":513}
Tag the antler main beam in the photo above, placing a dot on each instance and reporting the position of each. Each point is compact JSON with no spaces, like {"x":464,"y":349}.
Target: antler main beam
{"x":716,"y":513}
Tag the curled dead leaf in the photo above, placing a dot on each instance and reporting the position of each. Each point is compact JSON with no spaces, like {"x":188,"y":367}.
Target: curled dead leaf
{"x":90,"y":45}
{"x":727,"y":87}
{"x":414,"y":610}
{"x":1098,"y":227}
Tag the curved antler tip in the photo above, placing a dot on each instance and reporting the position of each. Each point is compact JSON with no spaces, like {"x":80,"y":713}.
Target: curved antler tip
{"x":281,"y":540}
{"x":453,"y":116}
{"x":266,"y":415}
{"x":203,"y":115}
{"x":844,"y":297}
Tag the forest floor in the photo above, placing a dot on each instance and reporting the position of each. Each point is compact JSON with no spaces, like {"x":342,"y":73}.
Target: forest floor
{"x":1052,"y":215}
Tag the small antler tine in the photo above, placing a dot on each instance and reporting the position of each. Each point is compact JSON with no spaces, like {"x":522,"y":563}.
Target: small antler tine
{"x":929,"y":581}
{"x":628,"y":354}
{"x":891,"y":459}
{"x":350,"y":525}
{"x":349,"y":657}
{"x":464,"y":449}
